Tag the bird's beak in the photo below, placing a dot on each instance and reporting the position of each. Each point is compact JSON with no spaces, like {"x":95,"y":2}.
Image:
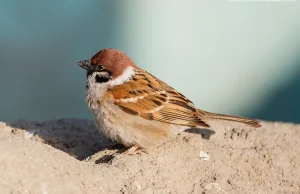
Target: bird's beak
{"x":85,"y":64}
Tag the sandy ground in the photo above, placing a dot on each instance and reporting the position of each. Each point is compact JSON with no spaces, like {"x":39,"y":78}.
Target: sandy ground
{"x":71,"y":156}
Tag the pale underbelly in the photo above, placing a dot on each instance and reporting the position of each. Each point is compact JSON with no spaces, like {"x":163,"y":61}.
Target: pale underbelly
{"x":131,"y":130}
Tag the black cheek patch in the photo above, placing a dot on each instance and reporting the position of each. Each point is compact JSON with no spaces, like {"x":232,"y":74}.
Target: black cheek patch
{"x":102,"y":79}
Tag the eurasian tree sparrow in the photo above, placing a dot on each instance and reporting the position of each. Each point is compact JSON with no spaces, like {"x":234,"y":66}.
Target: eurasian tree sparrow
{"x":136,"y":109}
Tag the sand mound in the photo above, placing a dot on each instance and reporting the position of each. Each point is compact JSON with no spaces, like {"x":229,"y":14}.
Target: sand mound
{"x":71,"y":156}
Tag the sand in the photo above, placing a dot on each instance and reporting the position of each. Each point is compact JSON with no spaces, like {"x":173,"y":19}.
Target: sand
{"x":71,"y":156}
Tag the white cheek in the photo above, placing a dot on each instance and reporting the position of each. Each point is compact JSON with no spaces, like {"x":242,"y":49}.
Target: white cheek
{"x":96,"y":91}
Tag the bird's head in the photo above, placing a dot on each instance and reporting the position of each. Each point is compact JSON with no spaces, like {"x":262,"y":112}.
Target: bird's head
{"x":109,"y":65}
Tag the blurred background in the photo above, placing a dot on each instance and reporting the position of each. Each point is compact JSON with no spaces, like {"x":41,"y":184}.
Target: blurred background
{"x":234,"y":57}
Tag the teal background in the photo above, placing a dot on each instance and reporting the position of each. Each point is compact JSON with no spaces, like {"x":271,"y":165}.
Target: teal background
{"x":234,"y":57}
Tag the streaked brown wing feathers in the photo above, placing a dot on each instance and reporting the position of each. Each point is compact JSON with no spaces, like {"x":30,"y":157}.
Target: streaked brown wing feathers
{"x":152,"y":99}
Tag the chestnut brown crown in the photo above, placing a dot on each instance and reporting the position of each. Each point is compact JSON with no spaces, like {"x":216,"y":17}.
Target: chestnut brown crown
{"x":109,"y":59}
{"x":112,"y":60}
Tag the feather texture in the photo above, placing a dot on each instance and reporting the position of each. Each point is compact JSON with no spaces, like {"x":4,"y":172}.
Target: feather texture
{"x":150,"y":98}
{"x":146,"y":96}
{"x":135,"y":108}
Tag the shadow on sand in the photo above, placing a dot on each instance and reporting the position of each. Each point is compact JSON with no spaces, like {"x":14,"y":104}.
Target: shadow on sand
{"x":79,"y":138}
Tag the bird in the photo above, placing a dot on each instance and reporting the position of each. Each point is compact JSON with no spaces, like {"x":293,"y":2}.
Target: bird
{"x":136,"y":109}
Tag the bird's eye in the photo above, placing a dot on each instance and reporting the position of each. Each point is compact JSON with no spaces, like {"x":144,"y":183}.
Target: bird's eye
{"x":99,"y":67}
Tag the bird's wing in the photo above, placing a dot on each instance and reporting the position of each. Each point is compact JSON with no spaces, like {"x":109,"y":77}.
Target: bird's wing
{"x":148,"y":97}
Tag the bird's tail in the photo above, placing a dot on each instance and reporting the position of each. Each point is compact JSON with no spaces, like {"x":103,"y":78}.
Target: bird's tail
{"x":250,"y":122}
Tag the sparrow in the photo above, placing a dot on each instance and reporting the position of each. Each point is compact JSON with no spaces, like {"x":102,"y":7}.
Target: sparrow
{"x":135,"y":108}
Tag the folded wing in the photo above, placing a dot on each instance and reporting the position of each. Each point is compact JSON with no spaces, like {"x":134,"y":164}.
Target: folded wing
{"x":147,"y":97}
